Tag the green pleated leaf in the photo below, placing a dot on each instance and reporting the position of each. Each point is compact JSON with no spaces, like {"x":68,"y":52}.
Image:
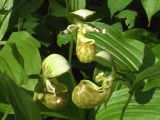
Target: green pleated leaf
{"x":117,"y":5}
{"x":126,"y":54}
{"x":5,"y":12}
{"x":151,"y":7}
{"x":73,"y":5}
{"x":22,"y":103}
{"x":134,"y":111}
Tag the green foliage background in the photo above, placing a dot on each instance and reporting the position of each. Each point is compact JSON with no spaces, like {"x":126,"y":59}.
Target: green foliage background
{"x":30,"y":30}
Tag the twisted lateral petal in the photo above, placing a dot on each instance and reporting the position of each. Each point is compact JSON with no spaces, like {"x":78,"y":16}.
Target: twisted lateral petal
{"x":54,"y":65}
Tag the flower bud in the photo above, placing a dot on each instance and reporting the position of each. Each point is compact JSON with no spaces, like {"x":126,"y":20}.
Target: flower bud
{"x":88,"y":95}
{"x":54,"y":65}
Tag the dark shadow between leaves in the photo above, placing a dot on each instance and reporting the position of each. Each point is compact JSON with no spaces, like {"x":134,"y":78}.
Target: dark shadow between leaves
{"x":148,"y":60}
{"x":16,"y":54}
{"x":143,"y":97}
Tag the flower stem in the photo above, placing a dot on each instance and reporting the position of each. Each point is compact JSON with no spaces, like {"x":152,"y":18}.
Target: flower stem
{"x":126,"y":104}
{"x":70,"y":53}
{"x":72,"y":78}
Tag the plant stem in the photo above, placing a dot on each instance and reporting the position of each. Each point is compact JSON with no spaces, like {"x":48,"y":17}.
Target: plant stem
{"x":6,"y":113}
{"x":72,"y":78}
{"x":70,"y":53}
{"x":70,"y":62}
{"x":126,"y":104}
{"x":19,"y":24}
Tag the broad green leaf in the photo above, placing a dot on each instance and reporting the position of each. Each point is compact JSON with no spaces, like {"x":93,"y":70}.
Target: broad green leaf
{"x":22,"y":9}
{"x":150,"y":75}
{"x":7,"y":60}
{"x":156,"y":51}
{"x":5,"y":12}
{"x":151,"y":7}
{"x":57,"y":9}
{"x":148,"y":57}
{"x":73,"y":5}
{"x":6,"y":107}
{"x":152,"y":83}
{"x":117,"y":26}
{"x":117,"y":5}
{"x":27,"y":47}
{"x":30,"y":24}
{"x":33,"y":25}
{"x":22,"y":103}
{"x":129,"y":17}
{"x":63,"y":39}
{"x":140,"y":34}
{"x":126,"y":55}
{"x":134,"y":111}
{"x":29,"y":7}
{"x":150,"y":72}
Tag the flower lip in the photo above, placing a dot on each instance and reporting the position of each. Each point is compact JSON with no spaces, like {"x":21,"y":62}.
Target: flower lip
{"x":88,"y":95}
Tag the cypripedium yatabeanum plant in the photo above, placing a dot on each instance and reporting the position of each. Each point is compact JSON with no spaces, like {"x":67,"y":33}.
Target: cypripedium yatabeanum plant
{"x":86,"y":94}
{"x":52,"y":93}
{"x":85,"y":47}
{"x":89,"y":95}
